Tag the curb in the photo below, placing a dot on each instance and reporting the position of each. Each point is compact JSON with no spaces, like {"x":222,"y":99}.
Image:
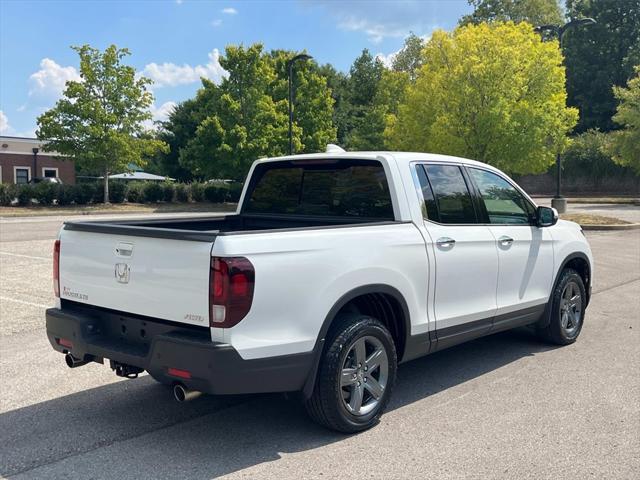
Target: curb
{"x":620,"y":226}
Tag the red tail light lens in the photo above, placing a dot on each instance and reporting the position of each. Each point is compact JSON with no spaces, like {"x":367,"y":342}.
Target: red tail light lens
{"x":56,"y":268}
{"x":231,"y":290}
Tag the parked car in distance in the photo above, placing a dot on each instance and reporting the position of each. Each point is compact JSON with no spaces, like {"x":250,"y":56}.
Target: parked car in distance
{"x":46,"y":180}
{"x":334,"y":269}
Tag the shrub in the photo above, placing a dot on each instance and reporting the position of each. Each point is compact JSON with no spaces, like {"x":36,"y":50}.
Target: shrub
{"x":65,"y":194}
{"x":24,"y":194}
{"x":7,"y":193}
{"x":183,"y":193}
{"x":587,"y":157}
{"x":197,"y":192}
{"x":135,"y":192}
{"x":45,"y":192}
{"x":152,"y":192}
{"x":235,"y":190}
{"x":215,"y":192}
{"x":84,"y":193}
{"x":168,"y":191}
{"x":117,"y":192}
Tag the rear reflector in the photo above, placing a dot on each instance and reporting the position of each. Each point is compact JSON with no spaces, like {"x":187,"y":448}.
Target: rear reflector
{"x":56,"y":268}
{"x":175,"y":372}
{"x":230,"y":290}
{"x":65,"y":343}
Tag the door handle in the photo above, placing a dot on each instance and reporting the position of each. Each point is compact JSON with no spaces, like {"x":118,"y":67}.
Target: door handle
{"x":505,"y":241}
{"x":445,"y":242}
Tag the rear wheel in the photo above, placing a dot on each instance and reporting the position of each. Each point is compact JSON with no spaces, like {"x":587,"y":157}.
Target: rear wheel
{"x":356,"y":375}
{"x":568,"y":304}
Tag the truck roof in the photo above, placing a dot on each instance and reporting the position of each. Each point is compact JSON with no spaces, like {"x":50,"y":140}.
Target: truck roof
{"x":398,"y":157}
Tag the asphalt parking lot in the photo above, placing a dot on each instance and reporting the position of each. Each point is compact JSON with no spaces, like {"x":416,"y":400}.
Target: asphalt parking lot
{"x":504,"y":406}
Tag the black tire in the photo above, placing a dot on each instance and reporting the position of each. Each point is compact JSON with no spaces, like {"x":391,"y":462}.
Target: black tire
{"x":327,"y":405}
{"x":555,"y":332}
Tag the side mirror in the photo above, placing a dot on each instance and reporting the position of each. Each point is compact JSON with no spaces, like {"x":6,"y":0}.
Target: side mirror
{"x":546,"y":216}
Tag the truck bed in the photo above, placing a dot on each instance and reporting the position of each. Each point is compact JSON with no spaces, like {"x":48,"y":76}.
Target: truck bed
{"x":206,"y":229}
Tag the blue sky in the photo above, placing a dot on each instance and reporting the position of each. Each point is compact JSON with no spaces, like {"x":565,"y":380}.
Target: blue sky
{"x":175,"y":42}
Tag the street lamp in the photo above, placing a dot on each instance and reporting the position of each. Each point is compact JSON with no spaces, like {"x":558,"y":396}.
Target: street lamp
{"x":559,"y":202}
{"x":301,"y":56}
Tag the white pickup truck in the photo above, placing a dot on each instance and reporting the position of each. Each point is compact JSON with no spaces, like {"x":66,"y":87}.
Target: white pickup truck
{"x":335,"y":268}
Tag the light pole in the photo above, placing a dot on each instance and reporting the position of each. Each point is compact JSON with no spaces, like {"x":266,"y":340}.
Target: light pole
{"x":301,"y":56}
{"x":559,"y":202}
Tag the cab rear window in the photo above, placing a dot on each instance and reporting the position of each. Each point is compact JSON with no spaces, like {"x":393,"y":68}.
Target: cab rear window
{"x":344,"y":188}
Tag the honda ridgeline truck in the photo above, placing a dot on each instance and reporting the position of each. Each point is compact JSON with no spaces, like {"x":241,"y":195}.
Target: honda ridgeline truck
{"x":334,"y":269}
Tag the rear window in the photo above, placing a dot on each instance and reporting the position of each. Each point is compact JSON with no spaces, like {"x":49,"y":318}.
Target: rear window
{"x":325,"y":188}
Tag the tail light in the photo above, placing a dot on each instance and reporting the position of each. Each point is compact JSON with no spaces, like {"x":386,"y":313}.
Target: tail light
{"x":231,"y":284}
{"x":56,"y":268}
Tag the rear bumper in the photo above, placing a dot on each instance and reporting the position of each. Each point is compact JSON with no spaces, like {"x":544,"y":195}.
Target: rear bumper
{"x":157,"y":346}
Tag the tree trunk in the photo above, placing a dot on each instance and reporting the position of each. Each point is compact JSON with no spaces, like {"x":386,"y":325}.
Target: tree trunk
{"x":106,"y":187}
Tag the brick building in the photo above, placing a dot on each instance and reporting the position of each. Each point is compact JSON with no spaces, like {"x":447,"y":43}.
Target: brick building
{"x":22,"y":159}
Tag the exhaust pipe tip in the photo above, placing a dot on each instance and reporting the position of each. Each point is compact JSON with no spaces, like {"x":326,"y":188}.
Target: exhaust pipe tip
{"x":73,"y":362}
{"x":183,"y":394}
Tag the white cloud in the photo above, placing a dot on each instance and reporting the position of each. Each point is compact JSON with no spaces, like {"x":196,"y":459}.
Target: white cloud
{"x":162,"y":112}
{"x":216,"y":23}
{"x":5,"y":128}
{"x":385,"y":18}
{"x":50,"y":80}
{"x":159,"y":114}
{"x":170,"y":74}
{"x":375,"y":31}
{"x":229,"y":11}
{"x":179,"y":2}
{"x":388,"y":58}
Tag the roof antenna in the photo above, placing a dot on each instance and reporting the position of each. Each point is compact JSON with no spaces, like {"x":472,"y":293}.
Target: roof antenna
{"x":333,"y":148}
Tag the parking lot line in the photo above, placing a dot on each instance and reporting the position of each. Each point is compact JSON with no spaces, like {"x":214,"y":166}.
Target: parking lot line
{"x":24,"y":256}
{"x":24,"y":302}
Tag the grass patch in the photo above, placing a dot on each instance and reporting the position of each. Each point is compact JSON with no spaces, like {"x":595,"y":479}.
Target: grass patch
{"x":588,"y":219}
{"x":117,"y":208}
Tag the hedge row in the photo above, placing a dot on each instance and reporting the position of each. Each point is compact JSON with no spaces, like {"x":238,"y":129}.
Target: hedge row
{"x":119,"y":192}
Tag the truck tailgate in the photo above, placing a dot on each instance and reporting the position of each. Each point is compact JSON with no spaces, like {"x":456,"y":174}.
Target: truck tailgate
{"x":157,"y":277}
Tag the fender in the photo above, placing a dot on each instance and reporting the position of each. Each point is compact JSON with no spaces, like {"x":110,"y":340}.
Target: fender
{"x":328,"y":320}
{"x":546,"y":316}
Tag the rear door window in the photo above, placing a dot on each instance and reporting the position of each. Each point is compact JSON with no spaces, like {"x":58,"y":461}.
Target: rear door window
{"x":452,"y":197}
{"x":329,"y":188}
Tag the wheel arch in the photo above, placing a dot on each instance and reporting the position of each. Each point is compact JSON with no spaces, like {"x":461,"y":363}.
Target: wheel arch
{"x":580,"y":263}
{"x":383,"y":301}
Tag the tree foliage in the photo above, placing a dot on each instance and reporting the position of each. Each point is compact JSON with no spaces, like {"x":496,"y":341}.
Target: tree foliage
{"x":625,"y":143}
{"x":362,"y":86}
{"x":226,"y":127}
{"x":409,"y":59}
{"x":492,"y":92}
{"x":600,"y":57}
{"x":536,"y":12}
{"x":99,"y":120}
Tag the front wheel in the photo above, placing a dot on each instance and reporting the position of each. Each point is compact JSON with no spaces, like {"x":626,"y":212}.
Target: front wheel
{"x":568,"y":304}
{"x":356,"y":375}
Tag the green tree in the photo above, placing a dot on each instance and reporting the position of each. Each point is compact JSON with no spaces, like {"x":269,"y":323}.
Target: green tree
{"x":492,"y":92}
{"x":338,"y":84}
{"x":99,"y":120}
{"x":625,"y":143}
{"x":313,"y":103}
{"x":225,"y":127}
{"x":409,"y":59}
{"x":536,"y":12}
{"x":587,"y":157}
{"x":600,"y":57}
{"x":364,"y":77}
{"x":243,"y":122}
